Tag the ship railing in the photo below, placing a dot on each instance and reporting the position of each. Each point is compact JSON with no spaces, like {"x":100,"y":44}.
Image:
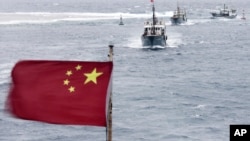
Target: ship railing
{"x":160,"y":22}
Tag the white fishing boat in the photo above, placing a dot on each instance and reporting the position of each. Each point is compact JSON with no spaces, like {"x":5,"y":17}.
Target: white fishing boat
{"x":225,"y":12}
{"x":154,"y":34}
{"x":179,"y":16}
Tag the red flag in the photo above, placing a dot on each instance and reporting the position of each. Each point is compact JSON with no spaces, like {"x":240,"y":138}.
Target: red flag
{"x":152,"y":0}
{"x":61,"y":92}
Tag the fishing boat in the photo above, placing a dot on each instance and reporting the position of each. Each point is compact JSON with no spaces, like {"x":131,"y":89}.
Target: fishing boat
{"x":121,"y":22}
{"x":179,"y":16}
{"x":154,"y":34}
{"x":225,"y":12}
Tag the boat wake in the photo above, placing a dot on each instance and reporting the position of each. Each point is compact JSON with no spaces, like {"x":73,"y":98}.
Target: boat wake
{"x":175,"y":40}
{"x":198,"y":21}
{"x":154,"y":47}
{"x":47,"y":17}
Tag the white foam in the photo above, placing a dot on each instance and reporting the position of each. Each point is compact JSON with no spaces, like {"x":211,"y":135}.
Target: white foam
{"x":47,"y":17}
{"x":134,"y":42}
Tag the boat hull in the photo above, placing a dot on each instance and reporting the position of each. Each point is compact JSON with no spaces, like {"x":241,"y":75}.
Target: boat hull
{"x":177,"y":20}
{"x":153,"y":40}
{"x":215,"y":15}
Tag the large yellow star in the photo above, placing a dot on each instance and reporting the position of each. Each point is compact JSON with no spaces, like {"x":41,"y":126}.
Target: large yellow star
{"x":92,"y":76}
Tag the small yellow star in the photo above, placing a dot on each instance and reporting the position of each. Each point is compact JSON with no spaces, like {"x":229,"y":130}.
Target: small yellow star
{"x":71,"y":89}
{"x":66,"y":82}
{"x":78,"y":67}
{"x":69,"y":72}
{"x":92,"y":76}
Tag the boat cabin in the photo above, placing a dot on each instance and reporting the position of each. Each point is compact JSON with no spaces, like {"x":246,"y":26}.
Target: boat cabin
{"x":157,"y":29}
{"x":179,"y":13}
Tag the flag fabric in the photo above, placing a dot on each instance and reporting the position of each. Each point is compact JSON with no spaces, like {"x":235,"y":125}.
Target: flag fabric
{"x":152,"y":0}
{"x":61,"y":92}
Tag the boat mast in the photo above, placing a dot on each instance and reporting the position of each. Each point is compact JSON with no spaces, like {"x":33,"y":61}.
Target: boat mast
{"x":178,"y":8}
{"x":154,"y":20}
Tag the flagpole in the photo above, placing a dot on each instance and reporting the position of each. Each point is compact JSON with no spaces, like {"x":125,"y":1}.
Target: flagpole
{"x":109,"y":126}
{"x":110,"y":55}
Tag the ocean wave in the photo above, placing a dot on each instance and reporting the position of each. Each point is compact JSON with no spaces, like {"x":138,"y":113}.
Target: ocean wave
{"x":48,"y":17}
{"x":5,"y":70}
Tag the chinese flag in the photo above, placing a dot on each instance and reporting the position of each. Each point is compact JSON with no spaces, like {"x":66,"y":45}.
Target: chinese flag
{"x":61,"y":92}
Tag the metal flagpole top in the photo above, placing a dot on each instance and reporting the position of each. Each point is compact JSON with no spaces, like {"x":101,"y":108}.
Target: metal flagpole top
{"x":110,"y":55}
